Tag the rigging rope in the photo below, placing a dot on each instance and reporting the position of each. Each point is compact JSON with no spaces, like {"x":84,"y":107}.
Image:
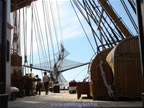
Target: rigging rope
{"x":88,"y":17}
{"x":132,"y":5}
{"x":79,"y":73}
{"x":24,"y":38}
{"x":53,"y":22}
{"x":38,"y":46}
{"x":31,"y":44}
{"x":103,"y":21}
{"x":129,"y":15}
{"x":59,"y":20}
{"x":109,"y":35}
{"x":95,"y":6}
{"x":90,"y":24}
{"x":82,"y":27}
{"x":93,"y":31}
{"x":25,"y":34}
{"x":47,"y":23}
{"x":19,"y":31}
{"x":41,"y":39}
{"x":96,"y":21}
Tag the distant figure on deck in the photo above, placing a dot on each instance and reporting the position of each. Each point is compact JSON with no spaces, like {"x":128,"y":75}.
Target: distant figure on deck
{"x":46,"y":80}
{"x":38,"y":84}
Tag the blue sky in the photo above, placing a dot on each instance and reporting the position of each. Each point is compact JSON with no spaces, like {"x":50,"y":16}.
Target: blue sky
{"x":74,"y":38}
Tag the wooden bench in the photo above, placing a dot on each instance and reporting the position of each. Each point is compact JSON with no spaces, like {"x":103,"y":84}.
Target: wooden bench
{"x":83,"y":88}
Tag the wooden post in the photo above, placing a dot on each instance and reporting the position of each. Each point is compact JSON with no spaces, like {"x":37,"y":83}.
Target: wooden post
{"x":3,"y":41}
{"x":140,"y":17}
{"x":3,"y":54}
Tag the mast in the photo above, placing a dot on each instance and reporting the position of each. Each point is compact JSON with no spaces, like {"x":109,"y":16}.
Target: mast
{"x":115,"y":18}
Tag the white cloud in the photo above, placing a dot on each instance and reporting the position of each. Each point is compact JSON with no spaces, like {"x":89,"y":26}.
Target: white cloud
{"x":71,"y":34}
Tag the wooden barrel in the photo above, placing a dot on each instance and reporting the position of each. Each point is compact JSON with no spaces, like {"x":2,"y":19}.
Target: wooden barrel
{"x":17,"y":80}
{"x":16,"y":60}
{"x":124,"y":61}
{"x":95,"y":62}
{"x":97,"y":86}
